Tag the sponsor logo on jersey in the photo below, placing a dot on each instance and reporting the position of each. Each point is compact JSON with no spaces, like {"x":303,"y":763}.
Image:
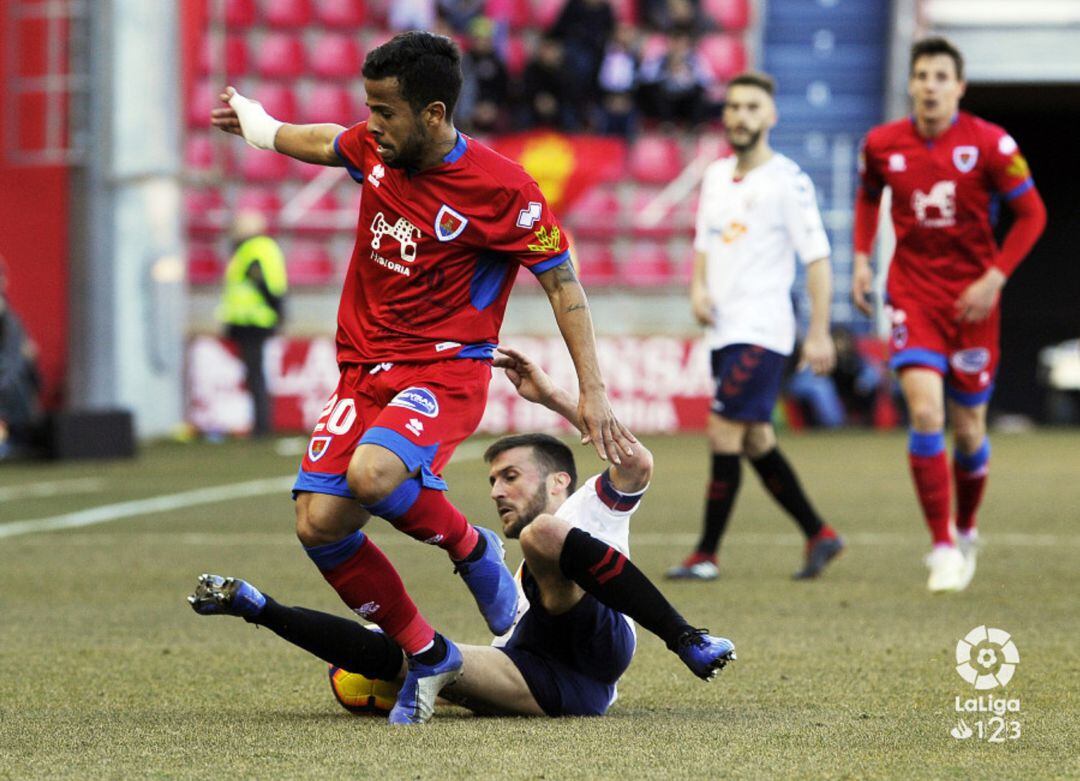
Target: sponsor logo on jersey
{"x":1018,"y":167}
{"x":1007,"y":145}
{"x":415,"y":427}
{"x":942,"y":199}
{"x":965,"y":157}
{"x":970,"y":361}
{"x":449,"y":224}
{"x":897,"y":162}
{"x":402,"y":230}
{"x":317,"y":447}
{"x":528,"y":216}
{"x":376,"y":175}
{"x":732,"y":231}
{"x":546,"y":241}
{"x":417,"y":399}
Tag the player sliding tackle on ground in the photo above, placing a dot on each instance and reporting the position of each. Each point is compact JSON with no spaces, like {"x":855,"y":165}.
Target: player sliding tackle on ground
{"x":444,"y":225}
{"x":579,"y":594}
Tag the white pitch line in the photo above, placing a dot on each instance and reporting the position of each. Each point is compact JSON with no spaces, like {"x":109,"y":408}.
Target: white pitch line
{"x":168,"y":502}
{"x":82,"y":485}
{"x":154,"y":504}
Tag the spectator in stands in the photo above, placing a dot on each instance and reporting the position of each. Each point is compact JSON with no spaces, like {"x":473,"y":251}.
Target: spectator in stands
{"x":544,"y":89}
{"x":617,"y":114}
{"x":674,"y":83}
{"x":583,"y":27}
{"x":460,"y":14}
{"x":486,"y":81}
{"x":20,"y":381}
{"x":253,"y":304}
{"x":669,"y":15}
{"x":846,"y":395}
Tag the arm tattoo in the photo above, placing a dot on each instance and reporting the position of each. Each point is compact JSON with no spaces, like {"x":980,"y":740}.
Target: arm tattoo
{"x":564,"y":272}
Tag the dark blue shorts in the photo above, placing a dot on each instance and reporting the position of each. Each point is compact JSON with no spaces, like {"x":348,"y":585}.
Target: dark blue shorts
{"x":571,"y":661}
{"x":747,"y":382}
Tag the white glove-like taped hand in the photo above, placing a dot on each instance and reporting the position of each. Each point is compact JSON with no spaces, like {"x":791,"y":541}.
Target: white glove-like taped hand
{"x":258,"y":127}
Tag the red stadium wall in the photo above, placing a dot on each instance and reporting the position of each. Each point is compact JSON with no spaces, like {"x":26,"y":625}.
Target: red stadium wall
{"x":34,"y":218}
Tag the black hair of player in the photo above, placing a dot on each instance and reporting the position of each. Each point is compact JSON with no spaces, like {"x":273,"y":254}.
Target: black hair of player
{"x":427,"y":67}
{"x":929,"y":47}
{"x":757,"y":79}
{"x":551,"y":454}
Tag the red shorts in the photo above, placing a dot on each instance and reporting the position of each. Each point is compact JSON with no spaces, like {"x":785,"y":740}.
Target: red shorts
{"x":965,"y":354}
{"x":420,"y":412}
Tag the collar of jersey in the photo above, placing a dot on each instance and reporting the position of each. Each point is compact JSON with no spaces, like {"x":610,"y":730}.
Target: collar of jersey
{"x":453,"y":155}
{"x":931,"y":141}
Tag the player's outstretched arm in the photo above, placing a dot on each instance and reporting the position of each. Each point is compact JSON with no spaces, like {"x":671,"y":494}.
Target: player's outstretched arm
{"x":597,"y":420}
{"x":533,"y":384}
{"x":247,"y":118}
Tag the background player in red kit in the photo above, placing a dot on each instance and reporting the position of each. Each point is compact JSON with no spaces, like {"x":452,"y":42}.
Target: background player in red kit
{"x":444,"y":225}
{"x":946,"y":168}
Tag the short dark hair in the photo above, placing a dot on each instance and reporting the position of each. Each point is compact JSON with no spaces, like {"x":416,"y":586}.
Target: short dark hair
{"x":427,"y":67}
{"x":754,"y":79}
{"x":550,"y":453}
{"x":928,"y":47}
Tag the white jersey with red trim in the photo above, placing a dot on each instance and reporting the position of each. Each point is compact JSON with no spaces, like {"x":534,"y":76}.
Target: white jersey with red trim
{"x":602,"y":511}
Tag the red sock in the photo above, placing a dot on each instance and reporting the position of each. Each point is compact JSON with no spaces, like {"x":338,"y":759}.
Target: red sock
{"x":931,"y":474}
{"x":368,"y":583}
{"x":969,"y":494}
{"x":827,"y":533}
{"x":432,"y":519}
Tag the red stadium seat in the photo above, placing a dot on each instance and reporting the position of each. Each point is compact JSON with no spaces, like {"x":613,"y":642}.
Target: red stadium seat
{"x":278,"y":100}
{"x":259,"y":199}
{"x":204,"y":209}
{"x":732,"y":15}
{"x":596,"y":265}
{"x":336,"y":56}
{"x":239,"y":13}
{"x":309,"y":264}
{"x":595,"y":215}
{"x":673,"y":222}
{"x":287,"y":14}
{"x":236,"y":56}
{"x":625,"y":11}
{"x":330,"y":103}
{"x":655,"y":159}
{"x":340,"y":14}
{"x":647,"y":265}
{"x":516,"y":13}
{"x":725,"y":54}
{"x":546,"y":12}
{"x":712,"y":145}
{"x":259,"y":165}
{"x":204,"y":97}
{"x":517,"y":55}
{"x":199,"y":152}
{"x":322,"y":217}
{"x":281,"y":56}
{"x":204,"y":266}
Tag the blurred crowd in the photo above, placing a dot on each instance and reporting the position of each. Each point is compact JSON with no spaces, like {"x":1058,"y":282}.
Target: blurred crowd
{"x":587,"y":72}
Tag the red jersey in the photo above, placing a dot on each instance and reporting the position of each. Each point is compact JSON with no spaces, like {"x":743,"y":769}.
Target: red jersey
{"x":943,"y":191}
{"x":437,"y":252}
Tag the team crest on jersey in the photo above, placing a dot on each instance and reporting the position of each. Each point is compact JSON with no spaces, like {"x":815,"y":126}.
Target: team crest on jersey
{"x":965,"y":157}
{"x":970,"y":361}
{"x":449,"y":224}
{"x":419,"y":400}
{"x":899,"y":336}
{"x":317,"y":448}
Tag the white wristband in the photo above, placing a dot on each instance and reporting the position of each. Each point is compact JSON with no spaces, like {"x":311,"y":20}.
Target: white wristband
{"x":258,"y":127}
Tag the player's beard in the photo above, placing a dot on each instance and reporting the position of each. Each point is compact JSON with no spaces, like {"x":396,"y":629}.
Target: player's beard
{"x":411,"y":151}
{"x":537,"y":505}
{"x":750,"y":143}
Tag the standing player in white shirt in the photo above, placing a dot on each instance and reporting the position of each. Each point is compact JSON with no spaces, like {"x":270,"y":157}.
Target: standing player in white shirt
{"x":757,"y":211}
{"x":578,"y":592}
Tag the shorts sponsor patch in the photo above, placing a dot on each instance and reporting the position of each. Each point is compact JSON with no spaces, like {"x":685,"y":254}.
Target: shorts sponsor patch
{"x":419,"y":400}
{"x":899,"y":336}
{"x":970,"y":361}
{"x":317,"y":447}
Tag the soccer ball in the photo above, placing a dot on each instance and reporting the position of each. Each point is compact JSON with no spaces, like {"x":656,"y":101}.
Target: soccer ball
{"x":361,"y":695}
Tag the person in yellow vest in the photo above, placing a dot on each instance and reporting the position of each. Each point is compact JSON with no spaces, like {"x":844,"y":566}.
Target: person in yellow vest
{"x":252,"y":304}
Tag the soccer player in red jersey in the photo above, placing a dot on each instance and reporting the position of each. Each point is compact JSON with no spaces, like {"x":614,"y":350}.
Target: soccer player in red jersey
{"x":444,"y":225}
{"x":947,"y":169}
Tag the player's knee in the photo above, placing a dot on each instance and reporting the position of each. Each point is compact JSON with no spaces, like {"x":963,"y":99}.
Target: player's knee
{"x":373,"y":479}
{"x":759,"y":441}
{"x":969,"y":433}
{"x":316,"y":524}
{"x":926,"y":415}
{"x":543,"y":538}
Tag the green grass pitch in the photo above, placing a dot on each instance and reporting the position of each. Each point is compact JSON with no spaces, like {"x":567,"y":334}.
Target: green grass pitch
{"x":105,"y":672}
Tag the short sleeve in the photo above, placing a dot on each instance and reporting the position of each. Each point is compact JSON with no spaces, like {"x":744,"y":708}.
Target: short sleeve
{"x":870,"y":178}
{"x":526,"y":230}
{"x":349,"y":146}
{"x":803,"y":219}
{"x":1008,"y":170}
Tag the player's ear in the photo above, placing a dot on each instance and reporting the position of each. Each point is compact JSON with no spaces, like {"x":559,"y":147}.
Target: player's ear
{"x":561,"y":482}
{"x":434,"y":113}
